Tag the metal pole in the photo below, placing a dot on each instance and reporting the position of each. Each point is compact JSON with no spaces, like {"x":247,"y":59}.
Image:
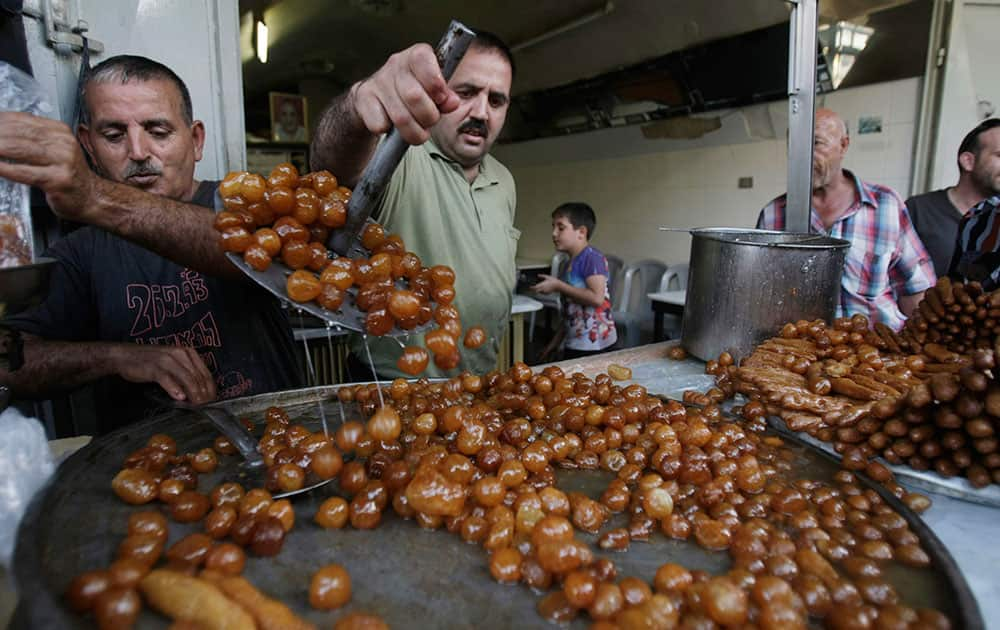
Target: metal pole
{"x":801,"y":113}
{"x":921,"y":173}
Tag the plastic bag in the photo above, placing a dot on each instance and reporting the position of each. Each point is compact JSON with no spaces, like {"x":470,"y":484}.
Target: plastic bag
{"x":25,"y":466}
{"x":18,"y":93}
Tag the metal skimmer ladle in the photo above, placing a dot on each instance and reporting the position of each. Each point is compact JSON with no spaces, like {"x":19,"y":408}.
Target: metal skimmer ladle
{"x":251,"y":472}
{"x":365,"y":196}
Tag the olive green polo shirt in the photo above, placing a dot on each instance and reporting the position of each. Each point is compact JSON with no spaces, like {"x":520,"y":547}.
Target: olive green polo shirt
{"x":469,"y":227}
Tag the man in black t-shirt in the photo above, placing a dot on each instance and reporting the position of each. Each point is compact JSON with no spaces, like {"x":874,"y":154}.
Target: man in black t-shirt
{"x":142,"y":298}
{"x":936,"y":214}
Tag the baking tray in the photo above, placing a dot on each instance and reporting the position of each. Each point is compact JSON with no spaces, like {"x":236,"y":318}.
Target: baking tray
{"x":412,"y":577}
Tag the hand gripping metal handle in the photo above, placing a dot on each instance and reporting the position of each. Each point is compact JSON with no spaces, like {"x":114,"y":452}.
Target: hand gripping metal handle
{"x":376,"y":175}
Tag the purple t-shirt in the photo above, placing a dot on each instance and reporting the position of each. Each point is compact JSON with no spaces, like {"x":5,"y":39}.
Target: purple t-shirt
{"x":588,"y":328}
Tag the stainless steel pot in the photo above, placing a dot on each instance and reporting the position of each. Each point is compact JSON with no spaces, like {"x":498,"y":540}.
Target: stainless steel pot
{"x":743,"y":285}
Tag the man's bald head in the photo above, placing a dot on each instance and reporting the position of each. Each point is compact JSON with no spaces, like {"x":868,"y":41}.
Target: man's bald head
{"x":832,"y":120}
{"x":829,"y":147}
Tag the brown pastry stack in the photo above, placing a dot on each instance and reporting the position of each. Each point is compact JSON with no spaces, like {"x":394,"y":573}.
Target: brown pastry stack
{"x":927,"y":397}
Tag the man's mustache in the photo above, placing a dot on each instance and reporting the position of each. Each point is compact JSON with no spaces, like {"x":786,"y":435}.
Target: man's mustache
{"x":474,"y":126}
{"x":140,"y":169}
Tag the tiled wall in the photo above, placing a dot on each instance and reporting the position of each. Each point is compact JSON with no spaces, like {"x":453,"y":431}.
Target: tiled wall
{"x":636,"y":185}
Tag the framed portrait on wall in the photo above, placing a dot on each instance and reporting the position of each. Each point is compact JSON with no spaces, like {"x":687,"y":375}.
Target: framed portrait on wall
{"x":289,"y":117}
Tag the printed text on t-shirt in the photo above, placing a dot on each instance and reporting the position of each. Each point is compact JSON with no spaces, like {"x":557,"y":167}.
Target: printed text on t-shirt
{"x":204,"y":334}
{"x":154,"y":304}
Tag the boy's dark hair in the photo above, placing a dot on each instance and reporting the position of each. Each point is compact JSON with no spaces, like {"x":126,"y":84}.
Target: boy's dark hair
{"x":579,"y":215}
{"x":485,"y":40}
{"x":971,"y":143}
{"x":125,"y":68}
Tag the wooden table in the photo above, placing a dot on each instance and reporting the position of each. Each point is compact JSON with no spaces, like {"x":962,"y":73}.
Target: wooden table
{"x":666,"y":302}
{"x":512,"y":345}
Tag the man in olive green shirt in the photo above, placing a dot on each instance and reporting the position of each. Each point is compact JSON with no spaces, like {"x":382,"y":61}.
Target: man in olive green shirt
{"x":451,"y":202}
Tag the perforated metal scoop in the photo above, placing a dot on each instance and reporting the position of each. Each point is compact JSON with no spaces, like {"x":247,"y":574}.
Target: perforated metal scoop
{"x":348,"y":316}
{"x":251,"y":472}
{"x":365,"y":196}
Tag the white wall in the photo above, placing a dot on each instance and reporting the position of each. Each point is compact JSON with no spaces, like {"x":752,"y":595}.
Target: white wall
{"x":636,"y":185}
{"x":971,"y":85}
{"x":198,"y":39}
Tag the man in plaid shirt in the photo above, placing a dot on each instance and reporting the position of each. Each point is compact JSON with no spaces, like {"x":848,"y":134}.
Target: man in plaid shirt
{"x":887,"y":268}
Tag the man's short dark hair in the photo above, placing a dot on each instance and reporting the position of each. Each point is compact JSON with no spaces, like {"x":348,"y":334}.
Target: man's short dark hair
{"x":485,"y":40}
{"x":971,"y":143}
{"x":124,"y":68}
{"x":579,"y":215}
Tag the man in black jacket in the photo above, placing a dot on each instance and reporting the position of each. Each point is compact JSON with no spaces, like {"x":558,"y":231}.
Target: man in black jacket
{"x":937,"y":214}
{"x":143,"y":294}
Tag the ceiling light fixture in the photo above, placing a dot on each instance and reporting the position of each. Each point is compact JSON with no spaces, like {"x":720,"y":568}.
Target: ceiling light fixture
{"x":842,"y":43}
{"x":260,"y":42}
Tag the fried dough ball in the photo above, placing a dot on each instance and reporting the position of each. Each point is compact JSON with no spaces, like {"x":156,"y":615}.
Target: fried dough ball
{"x":330,"y":588}
{"x":303,"y":286}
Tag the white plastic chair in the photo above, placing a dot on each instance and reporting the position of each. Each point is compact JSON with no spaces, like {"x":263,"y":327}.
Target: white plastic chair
{"x":674,"y":278}
{"x":636,"y":311}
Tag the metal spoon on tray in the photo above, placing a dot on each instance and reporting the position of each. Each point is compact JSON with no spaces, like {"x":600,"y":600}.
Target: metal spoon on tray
{"x":252,"y":471}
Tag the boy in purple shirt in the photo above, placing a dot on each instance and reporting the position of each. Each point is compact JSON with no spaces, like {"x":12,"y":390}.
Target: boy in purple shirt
{"x":588,"y":328}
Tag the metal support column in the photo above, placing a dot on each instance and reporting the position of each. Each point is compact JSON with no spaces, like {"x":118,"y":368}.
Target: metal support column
{"x":801,"y":112}
{"x":922,"y":171}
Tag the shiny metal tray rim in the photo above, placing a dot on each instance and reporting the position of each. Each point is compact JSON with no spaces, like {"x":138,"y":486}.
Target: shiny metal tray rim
{"x":730,"y":235}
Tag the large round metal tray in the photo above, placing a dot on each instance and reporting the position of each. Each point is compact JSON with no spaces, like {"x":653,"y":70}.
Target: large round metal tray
{"x":413,"y":578}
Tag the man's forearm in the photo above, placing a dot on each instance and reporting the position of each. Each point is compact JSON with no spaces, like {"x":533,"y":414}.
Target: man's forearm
{"x":178,"y":231}
{"x":53,"y":367}
{"x":342,"y":144}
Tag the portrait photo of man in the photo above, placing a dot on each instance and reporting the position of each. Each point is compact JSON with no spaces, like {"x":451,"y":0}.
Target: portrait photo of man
{"x":289,"y":118}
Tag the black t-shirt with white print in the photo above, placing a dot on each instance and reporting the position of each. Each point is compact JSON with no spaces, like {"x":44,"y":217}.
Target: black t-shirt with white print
{"x":106,"y":288}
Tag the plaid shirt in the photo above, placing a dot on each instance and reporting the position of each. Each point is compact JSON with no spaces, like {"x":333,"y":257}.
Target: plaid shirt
{"x":886,"y":258}
{"x":977,"y":253}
